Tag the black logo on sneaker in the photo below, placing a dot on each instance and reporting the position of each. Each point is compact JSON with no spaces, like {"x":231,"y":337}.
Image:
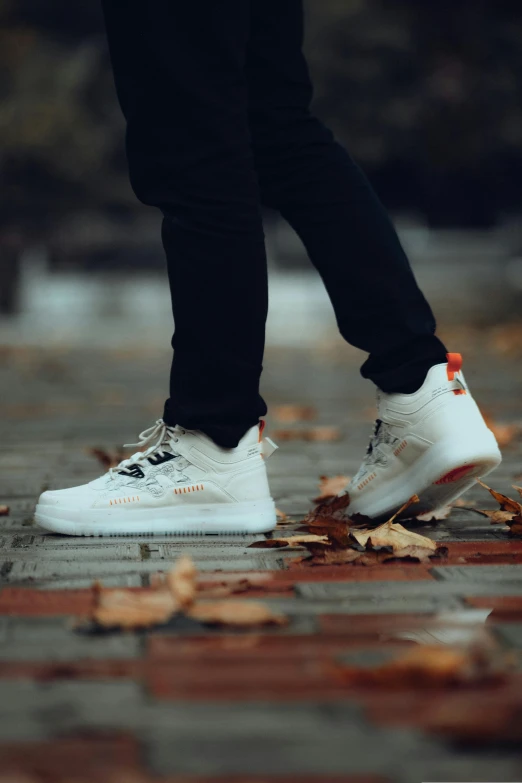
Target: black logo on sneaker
{"x":165,"y":457}
{"x":134,"y":470}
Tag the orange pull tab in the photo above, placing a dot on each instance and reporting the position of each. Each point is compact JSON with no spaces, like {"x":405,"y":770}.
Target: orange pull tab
{"x":454,"y":364}
{"x":262,"y":424}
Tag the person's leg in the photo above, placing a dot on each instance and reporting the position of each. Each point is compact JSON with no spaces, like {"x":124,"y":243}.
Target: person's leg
{"x":430,"y":439}
{"x":179,"y":72}
{"x":311,"y":179}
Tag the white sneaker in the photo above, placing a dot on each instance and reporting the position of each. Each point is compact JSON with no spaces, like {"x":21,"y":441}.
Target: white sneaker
{"x":182,"y":483}
{"x":433,"y":443}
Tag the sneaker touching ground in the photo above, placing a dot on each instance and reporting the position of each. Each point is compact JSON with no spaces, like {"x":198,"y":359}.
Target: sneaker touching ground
{"x":433,"y":443}
{"x":182,"y":483}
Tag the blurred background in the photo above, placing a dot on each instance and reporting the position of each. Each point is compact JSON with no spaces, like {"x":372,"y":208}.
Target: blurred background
{"x":426,"y":95}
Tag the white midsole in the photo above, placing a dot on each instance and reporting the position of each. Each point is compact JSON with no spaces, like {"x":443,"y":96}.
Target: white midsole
{"x":256,"y":516}
{"x":439,"y":460}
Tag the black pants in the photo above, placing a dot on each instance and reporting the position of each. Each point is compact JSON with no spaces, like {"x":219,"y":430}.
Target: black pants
{"x":216,"y":97}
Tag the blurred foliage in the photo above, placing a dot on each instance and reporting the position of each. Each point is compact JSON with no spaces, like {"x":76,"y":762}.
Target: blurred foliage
{"x":416,"y":89}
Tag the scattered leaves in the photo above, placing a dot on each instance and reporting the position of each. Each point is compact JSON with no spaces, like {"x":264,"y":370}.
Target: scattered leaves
{"x":235,"y":612}
{"x":311,"y":433}
{"x":428,"y":666}
{"x":331,"y":487}
{"x":347,"y":543}
{"x":288,"y":414}
{"x":4,"y":511}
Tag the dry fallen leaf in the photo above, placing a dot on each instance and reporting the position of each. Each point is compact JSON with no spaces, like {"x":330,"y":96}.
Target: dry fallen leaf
{"x":177,"y":592}
{"x":497,"y":517}
{"x":396,"y":536}
{"x":331,"y":487}
{"x":235,"y":613}
{"x":132,"y":609}
{"x":128,"y":609}
{"x":289,"y":541}
{"x":512,"y":507}
{"x":4,"y":511}
{"x":268,"y":543}
{"x":288,"y":414}
{"x":181,"y":582}
{"x":427,"y":666}
{"x":311,"y":433}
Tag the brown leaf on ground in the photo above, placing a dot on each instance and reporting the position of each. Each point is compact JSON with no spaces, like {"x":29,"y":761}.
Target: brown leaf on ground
{"x":336,"y":531}
{"x":269,"y":543}
{"x":106,"y":458}
{"x":504,"y":433}
{"x":506,"y":503}
{"x":331,"y":507}
{"x":395,"y":536}
{"x":497,"y":517}
{"x":327,"y":557}
{"x":181,"y":582}
{"x":177,"y":592}
{"x":4,"y":511}
{"x":512,"y":507}
{"x":309,"y":434}
{"x":435,"y":516}
{"x":235,"y":613}
{"x":330,"y":487}
{"x":290,"y":541}
{"x":229,"y":586}
{"x":288,"y":414}
{"x":427,"y":666}
{"x":130,"y":609}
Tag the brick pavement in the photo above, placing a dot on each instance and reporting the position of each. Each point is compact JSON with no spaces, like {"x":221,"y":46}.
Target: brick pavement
{"x":192,"y":703}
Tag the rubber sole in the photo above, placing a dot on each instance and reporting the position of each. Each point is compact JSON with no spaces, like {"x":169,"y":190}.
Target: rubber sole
{"x":217,"y":519}
{"x":440,"y":476}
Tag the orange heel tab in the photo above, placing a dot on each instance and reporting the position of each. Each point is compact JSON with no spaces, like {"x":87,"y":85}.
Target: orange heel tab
{"x":454,"y":364}
{"x":262,"y":424}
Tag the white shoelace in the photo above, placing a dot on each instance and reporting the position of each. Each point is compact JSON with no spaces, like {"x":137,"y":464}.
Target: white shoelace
{"x":161,"y":435}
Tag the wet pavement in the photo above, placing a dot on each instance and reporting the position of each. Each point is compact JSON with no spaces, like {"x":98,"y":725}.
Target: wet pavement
{"x":192,"y":702}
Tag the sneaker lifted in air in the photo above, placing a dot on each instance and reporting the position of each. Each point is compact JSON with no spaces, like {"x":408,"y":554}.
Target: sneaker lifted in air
{"x":433,"y":443}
